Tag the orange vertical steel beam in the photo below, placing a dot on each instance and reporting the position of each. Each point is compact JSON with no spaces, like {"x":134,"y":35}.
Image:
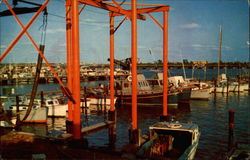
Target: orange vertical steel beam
{"x":76,"y":70}
{"x":69,"y":55}
{"x":165,"y":63}
{"x":112,"y":50}
{"x":134,"y":64}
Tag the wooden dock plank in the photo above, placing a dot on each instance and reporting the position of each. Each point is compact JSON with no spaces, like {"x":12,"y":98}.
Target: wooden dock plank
{"x":96,"y":127}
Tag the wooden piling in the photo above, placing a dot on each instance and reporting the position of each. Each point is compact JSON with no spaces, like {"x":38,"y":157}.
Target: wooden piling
{"x":135,"y":136}
{"x":215,"y":84}
{"x":112,"y":129}
{"x":17,"y":110}
{"x":231,"y":129}
{"x":85,"y":100}
{"x":227,"y":86}
{"x":238,"y":84}
{"x":42,"y":98}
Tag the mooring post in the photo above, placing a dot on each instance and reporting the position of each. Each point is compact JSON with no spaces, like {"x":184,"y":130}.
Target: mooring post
{"x":199,"y":83}
{"x":85,"y":100}
{"x":42,"y":98}
{"x":105,"y":99}
{"x":231,"y":129}
{"x":112,"y":129}
{"x":227,"y":86}
{"x":17,"y":110}
{"x":238,"y":84}
{"x":121,"y":93}
{"x":215,"y":84}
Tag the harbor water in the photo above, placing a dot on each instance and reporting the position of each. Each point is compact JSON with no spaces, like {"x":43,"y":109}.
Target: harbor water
{"x":211,"y":117}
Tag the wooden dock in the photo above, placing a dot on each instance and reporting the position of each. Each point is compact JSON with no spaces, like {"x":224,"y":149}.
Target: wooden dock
{"x":97,"y":127}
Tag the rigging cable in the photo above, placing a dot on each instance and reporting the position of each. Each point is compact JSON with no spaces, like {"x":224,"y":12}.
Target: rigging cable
{"x":43,"y":28}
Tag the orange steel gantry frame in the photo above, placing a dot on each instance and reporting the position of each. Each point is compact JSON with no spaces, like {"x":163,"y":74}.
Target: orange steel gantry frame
{"x":72,"y":20}
{"x":73,"y":54}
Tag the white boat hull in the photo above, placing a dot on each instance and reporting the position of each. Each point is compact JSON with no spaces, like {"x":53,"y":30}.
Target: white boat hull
{"x":232,"y":88}
{"x":37,"y":115}
{"x":58,"y":110}
{"x":99,"y":103}
{"x":236,"y":88}
{"x":202,"y":94}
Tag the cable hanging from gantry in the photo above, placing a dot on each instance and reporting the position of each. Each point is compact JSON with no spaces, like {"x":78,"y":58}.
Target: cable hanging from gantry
{"x":38,"y":67}
{"x":21,"y":10}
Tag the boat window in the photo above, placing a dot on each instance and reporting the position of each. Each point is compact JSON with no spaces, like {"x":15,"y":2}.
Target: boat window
{"x":4,"y":100}
{"x":125,"y":85}
{"x":50,"y":102}
{"x":24,"y":107}
{"x":13,"y":99}
{"x":35,"y":102}
{"x":140,"y":84}
{"x":118,"y":86}
{"x":56,"y":102}
{"x":153,"y":82}
{"x":11,"y":107}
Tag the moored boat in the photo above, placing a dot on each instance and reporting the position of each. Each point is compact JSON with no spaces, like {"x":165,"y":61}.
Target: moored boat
{"x":147,"y":94}
{"x":55,"y":108}
{"x":171,"y":140}
{"x":37,"y":114}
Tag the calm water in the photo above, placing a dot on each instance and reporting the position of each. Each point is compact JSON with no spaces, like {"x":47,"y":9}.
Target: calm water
{"x":211,"y":116}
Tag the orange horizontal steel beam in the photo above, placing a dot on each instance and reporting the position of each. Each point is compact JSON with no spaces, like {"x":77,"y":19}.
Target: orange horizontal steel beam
{"x":111,"y":8}
{"x":138,"y":4}
{"x":147,"y":10}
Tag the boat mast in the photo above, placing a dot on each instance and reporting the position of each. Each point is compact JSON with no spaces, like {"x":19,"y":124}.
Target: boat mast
{"x":183,"y":66}
{"x":219,"y":51}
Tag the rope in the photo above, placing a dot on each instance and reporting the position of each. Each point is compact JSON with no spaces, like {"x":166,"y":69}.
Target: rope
{"x":39,"y":66}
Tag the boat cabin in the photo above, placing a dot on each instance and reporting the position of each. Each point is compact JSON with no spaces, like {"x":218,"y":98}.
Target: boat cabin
{"x":173,"y":140}
{"x":126,"y":85}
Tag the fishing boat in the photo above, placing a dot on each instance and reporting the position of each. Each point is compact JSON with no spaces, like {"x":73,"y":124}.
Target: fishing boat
{"x":37,"y":114}
{"x":55,"y":107}
{"x":200,"y":93}
{"x":149,"y":92}
{"x":100,"y":102}
{"x":192,"y":89}
{"x":224,"y":85}
{"x":200,"y":90}
{"x":97,"y":98}
{"x":178,"y":91}
{"x":171,"y":140}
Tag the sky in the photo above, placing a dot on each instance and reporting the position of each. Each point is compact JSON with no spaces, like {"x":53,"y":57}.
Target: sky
{"x":194,"y":27}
